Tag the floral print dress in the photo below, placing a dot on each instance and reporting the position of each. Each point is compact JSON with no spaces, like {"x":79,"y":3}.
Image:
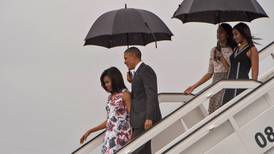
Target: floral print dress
{"x":118,"y":128}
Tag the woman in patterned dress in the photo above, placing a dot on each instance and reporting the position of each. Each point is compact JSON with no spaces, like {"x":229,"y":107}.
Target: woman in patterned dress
{"x":117,"y":125}
{"x":218,"y":64}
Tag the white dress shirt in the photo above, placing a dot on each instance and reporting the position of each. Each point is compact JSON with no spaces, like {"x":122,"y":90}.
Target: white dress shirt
{"x":133,"y":71}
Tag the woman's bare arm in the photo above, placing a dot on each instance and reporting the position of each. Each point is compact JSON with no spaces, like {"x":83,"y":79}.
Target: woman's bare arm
{"x":92,"y":130}
{"x":205,"y":78}
{"x":254,"y":57}
{"x":127,"y":100}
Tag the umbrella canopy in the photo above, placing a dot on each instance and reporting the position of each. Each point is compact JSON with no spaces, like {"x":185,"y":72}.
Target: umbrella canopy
{"x":126,"y":27}
{"x":217,"y":11}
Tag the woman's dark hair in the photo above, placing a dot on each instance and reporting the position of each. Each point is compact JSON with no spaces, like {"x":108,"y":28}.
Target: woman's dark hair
{"x":230,"y":41}
{"x":244,"y":30}
{"x":116,"y":78}
{"x":228,"y":29}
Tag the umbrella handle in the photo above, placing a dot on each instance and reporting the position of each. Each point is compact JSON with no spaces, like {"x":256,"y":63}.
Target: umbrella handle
{"x":151,"y":34}
{"x":127,"y":41}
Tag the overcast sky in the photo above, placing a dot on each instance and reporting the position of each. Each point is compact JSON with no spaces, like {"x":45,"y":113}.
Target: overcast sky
{"x":50,"y":92}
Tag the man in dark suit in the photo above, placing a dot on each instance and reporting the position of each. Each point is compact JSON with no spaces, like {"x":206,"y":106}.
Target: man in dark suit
{"x":145,"y":110}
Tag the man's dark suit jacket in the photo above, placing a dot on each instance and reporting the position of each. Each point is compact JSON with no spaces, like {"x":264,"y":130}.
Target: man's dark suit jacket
{"x":145,"y":103}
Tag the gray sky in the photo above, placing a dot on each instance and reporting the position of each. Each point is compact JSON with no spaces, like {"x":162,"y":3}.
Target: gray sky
{"x":49,"y":83}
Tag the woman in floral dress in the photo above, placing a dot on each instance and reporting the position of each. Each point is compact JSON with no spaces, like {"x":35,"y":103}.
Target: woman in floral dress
{"x":117,"y":125}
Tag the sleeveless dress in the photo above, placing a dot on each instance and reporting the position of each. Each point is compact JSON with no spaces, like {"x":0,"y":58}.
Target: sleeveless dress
{"x":118,"y":128}
{"x":239,"y":69}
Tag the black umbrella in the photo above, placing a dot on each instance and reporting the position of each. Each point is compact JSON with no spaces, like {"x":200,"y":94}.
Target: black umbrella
{"x":126,"y":27}
{"x":217,"y":11}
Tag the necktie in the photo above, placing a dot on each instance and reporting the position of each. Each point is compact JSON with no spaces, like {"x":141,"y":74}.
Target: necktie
{"x":133,"y":73}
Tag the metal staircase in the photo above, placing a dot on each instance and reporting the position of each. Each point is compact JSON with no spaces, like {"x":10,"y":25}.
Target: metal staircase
{"x":243,"y":125}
